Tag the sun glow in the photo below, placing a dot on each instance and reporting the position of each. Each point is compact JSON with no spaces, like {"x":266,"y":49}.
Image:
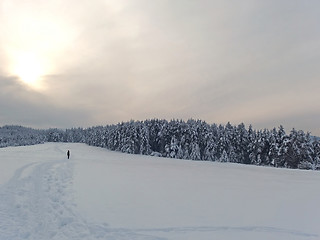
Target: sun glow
{"x":34,"y":36}
{"x":29,"y":68}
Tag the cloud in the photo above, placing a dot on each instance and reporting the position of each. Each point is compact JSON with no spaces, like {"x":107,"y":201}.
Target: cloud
{"x":22,"y":106}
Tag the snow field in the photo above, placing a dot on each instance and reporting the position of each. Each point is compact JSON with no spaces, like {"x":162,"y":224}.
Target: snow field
{"x":99,"y":194}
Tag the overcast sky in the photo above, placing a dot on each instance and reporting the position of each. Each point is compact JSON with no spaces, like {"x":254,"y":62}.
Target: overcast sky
{"x":70,"y":63}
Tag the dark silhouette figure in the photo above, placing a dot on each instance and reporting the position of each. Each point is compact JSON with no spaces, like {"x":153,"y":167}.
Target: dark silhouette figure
{"x":68,"y":154}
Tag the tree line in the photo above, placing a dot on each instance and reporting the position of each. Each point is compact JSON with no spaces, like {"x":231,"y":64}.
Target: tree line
{"x":194,"y":140}
{"x":20,"y":136}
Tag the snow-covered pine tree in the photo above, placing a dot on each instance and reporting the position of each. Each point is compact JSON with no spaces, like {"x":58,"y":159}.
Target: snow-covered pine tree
{"x":194,"y":150}
{"x":241,"y":143}
{"x":316,"y":154}
{"x":144,"y":137}
{"x":281,"y":146}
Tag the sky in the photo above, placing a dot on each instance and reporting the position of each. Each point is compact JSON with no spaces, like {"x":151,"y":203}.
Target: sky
{"x":96,"y":62}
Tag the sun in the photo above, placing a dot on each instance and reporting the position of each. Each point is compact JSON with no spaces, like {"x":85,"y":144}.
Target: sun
{"x":29,"y":68}
{"x":34,"y":37}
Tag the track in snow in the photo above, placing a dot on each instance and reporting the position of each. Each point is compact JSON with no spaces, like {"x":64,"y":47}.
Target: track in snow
{"x":39,"y":205}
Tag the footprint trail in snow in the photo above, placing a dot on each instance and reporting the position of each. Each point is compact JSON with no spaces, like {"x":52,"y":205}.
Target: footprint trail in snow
{"x":40,"y":205}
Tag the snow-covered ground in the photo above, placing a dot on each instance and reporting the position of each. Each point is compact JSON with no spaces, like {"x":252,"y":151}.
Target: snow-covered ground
{"x":99,"y":194}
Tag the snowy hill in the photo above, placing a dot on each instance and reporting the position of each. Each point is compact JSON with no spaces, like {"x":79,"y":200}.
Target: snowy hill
{"x":99,"y":194}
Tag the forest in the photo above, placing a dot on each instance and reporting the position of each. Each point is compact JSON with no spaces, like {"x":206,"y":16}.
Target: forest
{"x":190,"y":140}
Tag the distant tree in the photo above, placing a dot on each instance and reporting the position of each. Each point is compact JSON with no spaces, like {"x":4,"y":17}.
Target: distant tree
{"x":281,"y":147}
{"x":316,"y":154}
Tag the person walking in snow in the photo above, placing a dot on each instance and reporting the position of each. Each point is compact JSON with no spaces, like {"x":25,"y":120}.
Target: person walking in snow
{"x":68,"y":154}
